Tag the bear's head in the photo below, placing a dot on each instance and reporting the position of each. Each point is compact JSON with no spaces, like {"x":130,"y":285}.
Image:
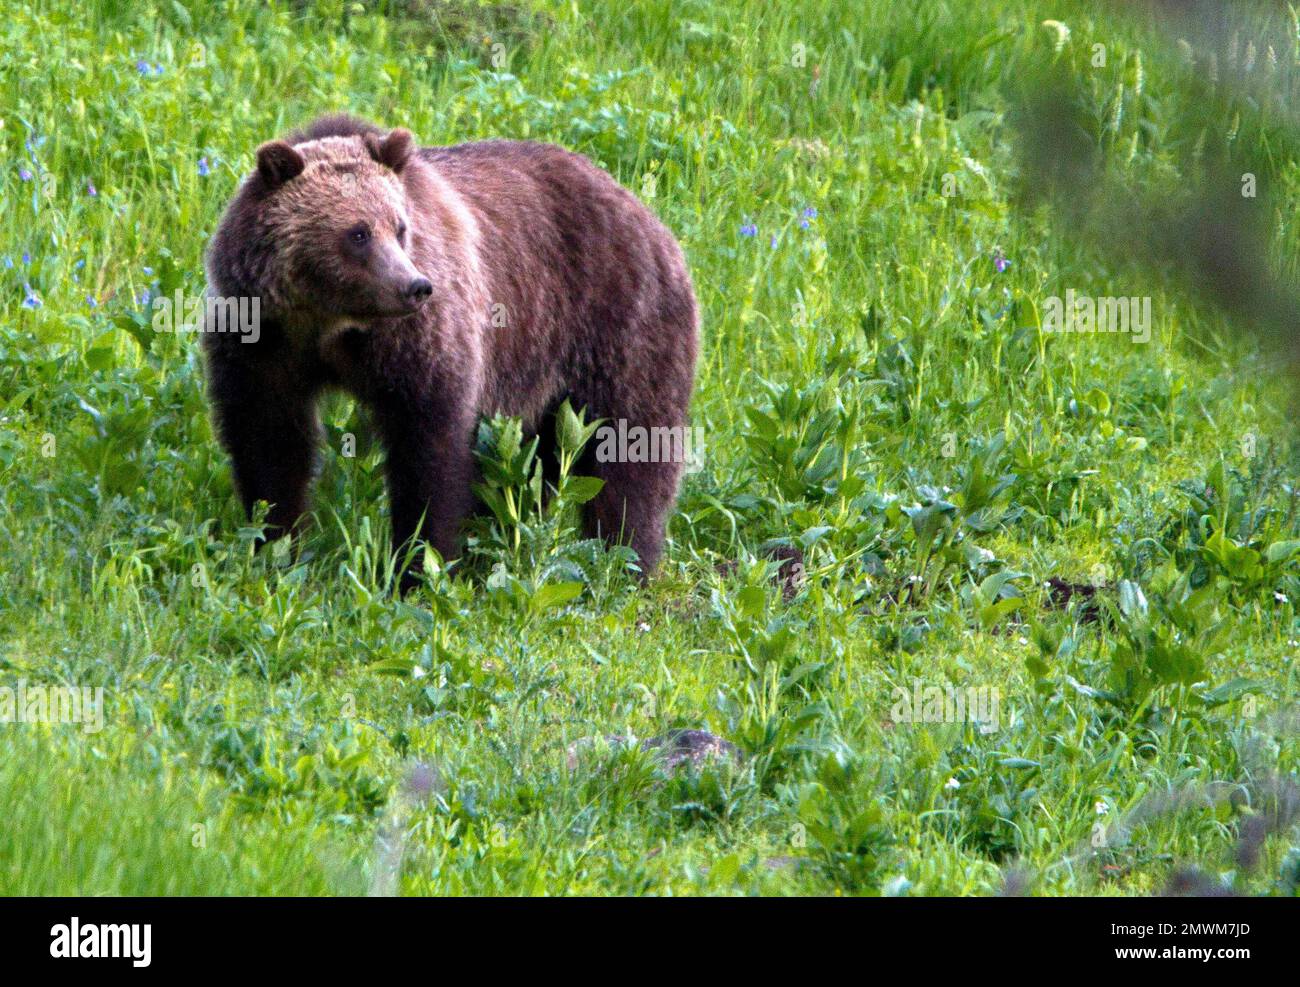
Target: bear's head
{"x":337,"y":211}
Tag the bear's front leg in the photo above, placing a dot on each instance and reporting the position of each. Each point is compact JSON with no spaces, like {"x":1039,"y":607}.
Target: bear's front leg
{"x":268,"y":425}
{"x":430,"y":472}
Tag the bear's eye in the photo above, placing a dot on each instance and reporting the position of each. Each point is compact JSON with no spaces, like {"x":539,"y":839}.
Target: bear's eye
{"x":359,"y":235}
{"x":401,"y":231}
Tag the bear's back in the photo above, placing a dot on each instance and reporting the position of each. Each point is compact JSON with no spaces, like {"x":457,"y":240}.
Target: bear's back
{"x":547,"y":207}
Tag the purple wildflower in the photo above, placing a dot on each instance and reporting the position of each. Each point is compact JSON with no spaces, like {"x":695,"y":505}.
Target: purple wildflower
{"x":204,"y":168}
{"x":1000,"y":262}
{"x":748,"y":229}
{"x":30,"y":301}
{"x":773,"y":243}
{"x":90,"y":189}
{"x":142,"y":67}
{"x":24,"y":174}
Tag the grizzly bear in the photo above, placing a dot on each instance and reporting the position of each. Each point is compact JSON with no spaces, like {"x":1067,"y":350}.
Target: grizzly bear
{"x":438,"y":285}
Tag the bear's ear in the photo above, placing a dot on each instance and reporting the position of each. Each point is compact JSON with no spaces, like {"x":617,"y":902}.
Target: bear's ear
{"x":392,"y":151}
{"x":277,"y":162}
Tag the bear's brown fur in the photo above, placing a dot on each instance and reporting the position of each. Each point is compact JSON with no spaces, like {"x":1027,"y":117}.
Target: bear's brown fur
{"x":380,"y":268}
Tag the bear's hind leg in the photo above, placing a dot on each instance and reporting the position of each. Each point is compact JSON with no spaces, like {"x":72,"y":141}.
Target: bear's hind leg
{"x":632,"y":507}
{"x":640,"y":450}
{"x":642,"y":386}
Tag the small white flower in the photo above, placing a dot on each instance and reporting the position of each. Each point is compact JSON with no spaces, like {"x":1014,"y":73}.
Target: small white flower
{"x":1101,"y":808}
{"x":952,"y":784}
{"x":418,"y":672}
{"x":1024,"y":640}
{"x":1280,"y":597}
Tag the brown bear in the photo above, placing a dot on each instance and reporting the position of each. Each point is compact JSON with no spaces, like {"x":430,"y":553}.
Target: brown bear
{"x":438,"y":285}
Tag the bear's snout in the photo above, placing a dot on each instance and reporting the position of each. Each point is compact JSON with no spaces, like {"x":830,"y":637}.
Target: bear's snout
{"x":404,"y":288}
{"x":418,"y":290}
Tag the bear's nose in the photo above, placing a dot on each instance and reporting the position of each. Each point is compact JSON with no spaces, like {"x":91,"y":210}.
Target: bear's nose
{"x":419,"y":289}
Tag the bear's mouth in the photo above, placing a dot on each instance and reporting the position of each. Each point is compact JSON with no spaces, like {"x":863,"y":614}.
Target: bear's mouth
{"x":398,"y":310}
{"x":370,"y":320}
{"x":343,"y":325}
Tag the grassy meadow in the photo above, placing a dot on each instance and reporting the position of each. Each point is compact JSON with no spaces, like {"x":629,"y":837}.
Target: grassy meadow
{"x":907,"y":481}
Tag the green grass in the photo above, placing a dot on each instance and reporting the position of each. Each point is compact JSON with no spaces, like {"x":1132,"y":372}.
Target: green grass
{"x":872,"y":389}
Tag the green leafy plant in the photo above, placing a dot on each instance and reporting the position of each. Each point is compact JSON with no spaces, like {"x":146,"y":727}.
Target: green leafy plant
{"x":528,"y":537}
{"x":776,"y":712}
{"x":943,"y":524}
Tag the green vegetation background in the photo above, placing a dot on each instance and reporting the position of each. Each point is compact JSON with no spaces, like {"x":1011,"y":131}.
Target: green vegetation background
{"x":875,"y":391}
